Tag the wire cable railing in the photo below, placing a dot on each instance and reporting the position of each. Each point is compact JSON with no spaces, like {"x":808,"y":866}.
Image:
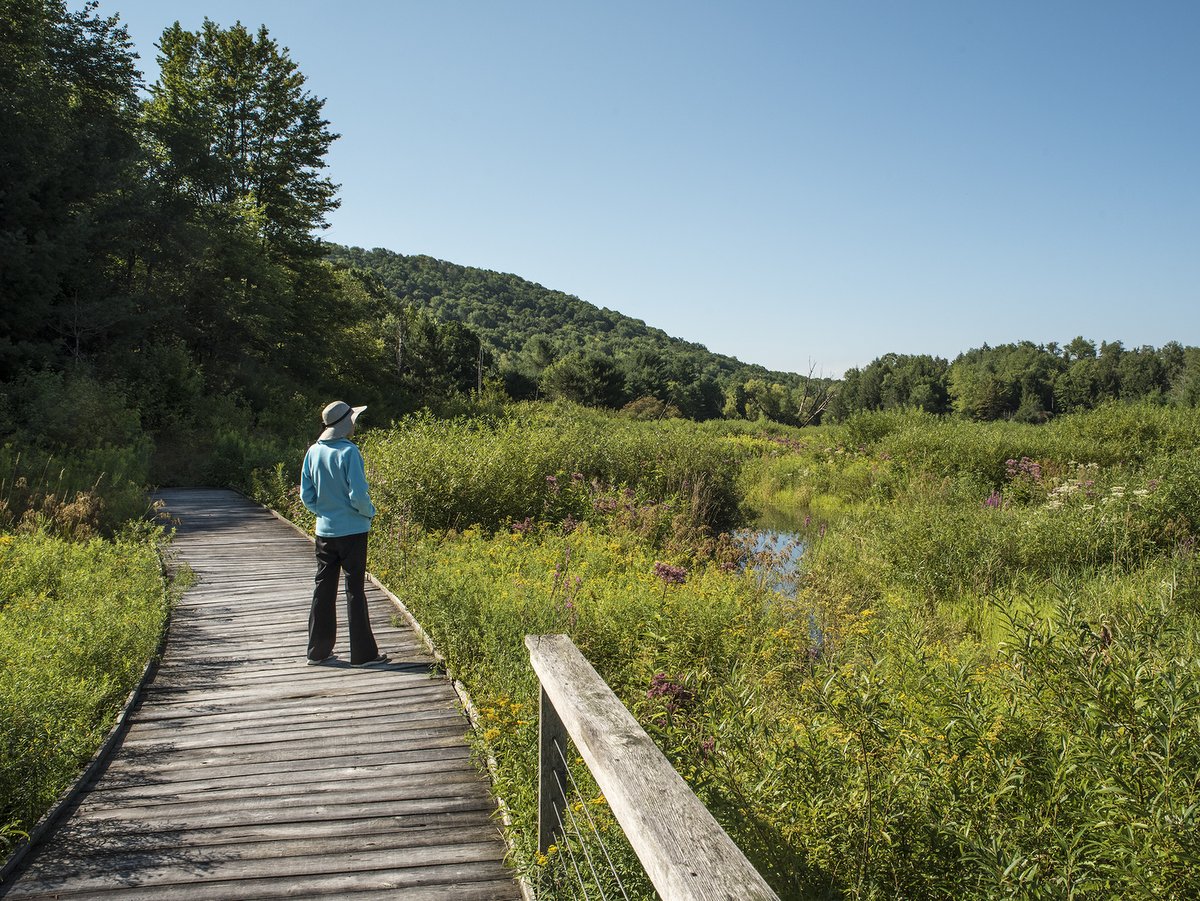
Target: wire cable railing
{"x":583,"y":866}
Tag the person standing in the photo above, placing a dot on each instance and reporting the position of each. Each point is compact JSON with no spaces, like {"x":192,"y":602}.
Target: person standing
{"x":333,"y":485}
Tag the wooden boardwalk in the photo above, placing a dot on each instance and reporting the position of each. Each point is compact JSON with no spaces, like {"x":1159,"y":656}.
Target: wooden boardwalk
{"x":247,"y":774}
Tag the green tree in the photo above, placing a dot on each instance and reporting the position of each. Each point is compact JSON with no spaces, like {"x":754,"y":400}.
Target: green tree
{"x":1079,"y":348}
{"x":1185,"y":390}
{"x":1077,"y":387}
{"x":586,"y":378}
{"x":1004,"y":382}
{"x":237,"y":149}
{"x":68,"y":162}
{"x":235,"y":130}
{"x":1143,"y":375}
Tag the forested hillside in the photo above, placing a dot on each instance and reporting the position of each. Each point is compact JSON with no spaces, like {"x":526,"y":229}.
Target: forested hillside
{"x":542,"y":342}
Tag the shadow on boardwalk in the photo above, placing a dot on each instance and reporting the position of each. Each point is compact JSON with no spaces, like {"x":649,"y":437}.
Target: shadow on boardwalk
{"x":247,"y":774}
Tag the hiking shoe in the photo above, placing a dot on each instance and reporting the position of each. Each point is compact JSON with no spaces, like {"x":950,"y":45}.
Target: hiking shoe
{"x":377,"y":661}
{"x":312,"y":661}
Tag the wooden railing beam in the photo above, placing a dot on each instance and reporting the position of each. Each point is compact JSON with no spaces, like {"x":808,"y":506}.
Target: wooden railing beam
{"x":685,"y":852}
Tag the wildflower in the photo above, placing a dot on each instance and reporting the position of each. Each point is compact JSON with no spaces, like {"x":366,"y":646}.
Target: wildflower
{"x":708,"y":746}
{"x":523,"y":528}
{"x":570,"y":524}
{"x":673,"y":694}
{"x":1024,"y":467}
{"x":993,"y":500}
{"x":671,"y":575}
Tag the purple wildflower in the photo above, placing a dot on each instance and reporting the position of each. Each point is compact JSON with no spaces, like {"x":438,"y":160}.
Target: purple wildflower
{"x":665,"y":687}
{"x":1024,"y":467}
{"x":993,"y":500}
{"x":671,"y":575}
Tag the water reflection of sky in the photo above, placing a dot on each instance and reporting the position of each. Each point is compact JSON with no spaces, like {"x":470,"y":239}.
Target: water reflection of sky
{"x":774,"y":556}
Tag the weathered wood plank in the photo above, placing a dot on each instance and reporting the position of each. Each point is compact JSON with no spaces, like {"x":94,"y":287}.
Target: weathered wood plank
{"x":200,"y":767}
{"x":247,"y":774}
{"x":135,"y":857}
{"x":208,"y":887}
{"x":686,"y":853}
{"x":142,"y":792}
{"x":86,"y":840}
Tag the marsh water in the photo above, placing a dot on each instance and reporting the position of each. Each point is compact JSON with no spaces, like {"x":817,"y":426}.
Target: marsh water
{"x":777,"y":542}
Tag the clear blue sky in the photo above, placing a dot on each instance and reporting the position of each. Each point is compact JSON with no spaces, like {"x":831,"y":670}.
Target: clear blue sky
{"x":792,"y":183}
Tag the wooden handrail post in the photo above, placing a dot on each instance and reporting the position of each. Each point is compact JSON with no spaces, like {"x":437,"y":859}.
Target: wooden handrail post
{"x":552,"y":773}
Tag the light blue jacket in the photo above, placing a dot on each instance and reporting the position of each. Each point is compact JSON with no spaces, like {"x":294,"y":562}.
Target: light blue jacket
{"x":333,"y":485}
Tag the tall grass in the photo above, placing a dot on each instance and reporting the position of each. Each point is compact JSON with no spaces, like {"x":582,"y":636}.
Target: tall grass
{"x":86,"y":492}
{"x":78,"y":621}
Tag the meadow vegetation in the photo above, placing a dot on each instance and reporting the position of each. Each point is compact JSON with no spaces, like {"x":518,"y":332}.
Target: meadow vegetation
{"x":981,"y":682}
{"x":79,"y":618}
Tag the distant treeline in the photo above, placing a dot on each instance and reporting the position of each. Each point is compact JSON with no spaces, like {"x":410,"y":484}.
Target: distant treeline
{"x":1026,"y":382}
{"x":545,"y":343}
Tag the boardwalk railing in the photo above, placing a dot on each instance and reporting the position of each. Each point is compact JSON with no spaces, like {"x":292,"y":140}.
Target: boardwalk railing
{"x":685,"y":852}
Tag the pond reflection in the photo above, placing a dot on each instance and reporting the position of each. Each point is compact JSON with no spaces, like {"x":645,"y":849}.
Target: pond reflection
{"x":774,"y":549}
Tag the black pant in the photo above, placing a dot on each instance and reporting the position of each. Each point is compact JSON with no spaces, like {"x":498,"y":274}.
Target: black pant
{"x":346,"y":553}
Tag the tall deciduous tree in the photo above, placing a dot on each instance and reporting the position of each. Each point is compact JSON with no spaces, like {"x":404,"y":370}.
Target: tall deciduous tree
{"x":67,"y":153}
{"x":235,"y":127}
{"x":238,"y":150}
